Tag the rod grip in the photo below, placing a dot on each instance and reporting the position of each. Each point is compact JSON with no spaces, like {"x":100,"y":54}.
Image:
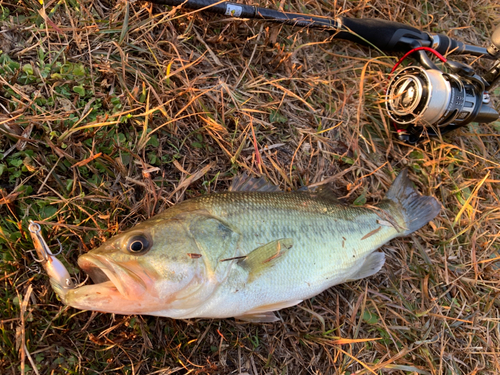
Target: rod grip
{"x":385,"y":35}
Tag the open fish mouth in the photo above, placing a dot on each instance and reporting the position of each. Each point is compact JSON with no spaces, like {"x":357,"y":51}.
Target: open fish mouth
{"x":119,"y":287}
{"x":110,"y":277}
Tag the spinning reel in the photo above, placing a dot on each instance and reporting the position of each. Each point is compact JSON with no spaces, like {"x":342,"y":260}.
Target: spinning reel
{"x":428,"y":100}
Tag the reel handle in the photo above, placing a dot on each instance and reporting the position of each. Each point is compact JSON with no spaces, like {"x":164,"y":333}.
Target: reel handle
{"x":494,"y":48}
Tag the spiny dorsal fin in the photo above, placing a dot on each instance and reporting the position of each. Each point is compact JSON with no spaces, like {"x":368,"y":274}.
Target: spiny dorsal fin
{"x":265,"y":257}
{"x":245,"y":182}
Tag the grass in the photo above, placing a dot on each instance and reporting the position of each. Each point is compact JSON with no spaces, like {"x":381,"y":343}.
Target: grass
{"x":112,"y":112}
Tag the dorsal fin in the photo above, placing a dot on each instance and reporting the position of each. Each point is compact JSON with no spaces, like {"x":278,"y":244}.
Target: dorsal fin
{"x":244,"y":182}
{"x":325,"y":193}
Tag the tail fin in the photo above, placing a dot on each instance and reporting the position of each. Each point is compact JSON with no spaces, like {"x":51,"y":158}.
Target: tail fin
{"x":417,"y":209}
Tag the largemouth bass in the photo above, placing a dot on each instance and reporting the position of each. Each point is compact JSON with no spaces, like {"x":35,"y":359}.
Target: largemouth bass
{"x":245,"y":253}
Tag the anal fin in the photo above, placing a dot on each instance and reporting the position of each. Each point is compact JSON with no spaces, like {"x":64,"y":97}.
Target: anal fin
{"x":372,"y":264}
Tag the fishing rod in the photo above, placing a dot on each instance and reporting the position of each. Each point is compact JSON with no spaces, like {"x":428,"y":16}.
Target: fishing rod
{"x":421,"y":100}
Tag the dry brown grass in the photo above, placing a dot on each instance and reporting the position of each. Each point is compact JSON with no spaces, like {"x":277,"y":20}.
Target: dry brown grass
{"x":180,"y":102}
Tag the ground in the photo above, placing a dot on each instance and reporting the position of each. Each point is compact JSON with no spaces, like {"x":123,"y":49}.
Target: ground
{"x":111,"y":112}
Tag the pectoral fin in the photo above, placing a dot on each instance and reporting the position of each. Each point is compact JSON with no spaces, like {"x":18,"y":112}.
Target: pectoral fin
{"x":265,"y":257}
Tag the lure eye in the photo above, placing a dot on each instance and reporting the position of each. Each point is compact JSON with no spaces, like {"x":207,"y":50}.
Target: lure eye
{"x":138,"y":244}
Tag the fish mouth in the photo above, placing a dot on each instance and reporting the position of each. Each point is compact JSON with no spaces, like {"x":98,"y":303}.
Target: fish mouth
{"x":110,"y":277}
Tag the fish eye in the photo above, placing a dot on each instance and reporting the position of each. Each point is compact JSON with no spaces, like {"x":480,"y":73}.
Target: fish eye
{"x":138,"y":244}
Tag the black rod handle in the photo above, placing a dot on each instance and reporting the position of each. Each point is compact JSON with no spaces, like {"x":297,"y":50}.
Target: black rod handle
{"x":385,"y":35}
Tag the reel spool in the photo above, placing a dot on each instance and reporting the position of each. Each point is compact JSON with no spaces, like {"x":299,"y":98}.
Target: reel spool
{"x":418,"y":96}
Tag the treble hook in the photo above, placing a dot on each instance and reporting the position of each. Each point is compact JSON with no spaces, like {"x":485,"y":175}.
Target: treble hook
{"x":60,"y":247}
